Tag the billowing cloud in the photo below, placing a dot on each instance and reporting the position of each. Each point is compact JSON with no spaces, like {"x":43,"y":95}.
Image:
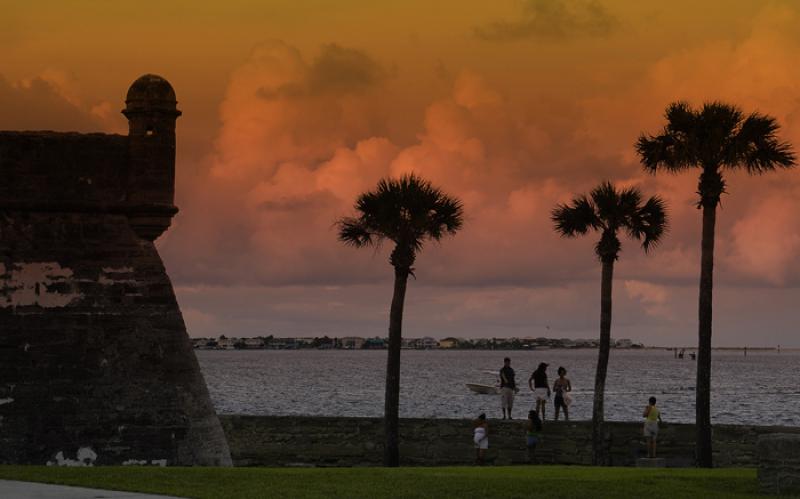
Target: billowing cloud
{"x":552,"y":20}
{"x":285,"y":179}
{"x":280,"y":109}
{"x":766,"y":242}
{"x":653,"y":297}
{"x":298,"y":142}
{"x":755,"y":72}
{"x":50,"y":101}
{"x":287,"y":165}
{"x":36,"y":104}
{"x":343,"y":70}
{"x":337,"y":70}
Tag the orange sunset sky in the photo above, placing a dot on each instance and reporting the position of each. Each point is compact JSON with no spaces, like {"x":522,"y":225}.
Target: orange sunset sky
{"x":291,"y":108}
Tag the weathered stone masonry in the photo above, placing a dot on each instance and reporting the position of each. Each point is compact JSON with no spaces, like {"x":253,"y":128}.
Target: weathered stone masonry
{"x":340,"y":441}
{"x":95,"y":363}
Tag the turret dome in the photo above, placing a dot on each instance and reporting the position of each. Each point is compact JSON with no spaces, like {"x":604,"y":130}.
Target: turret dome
{"x":150,"y":93}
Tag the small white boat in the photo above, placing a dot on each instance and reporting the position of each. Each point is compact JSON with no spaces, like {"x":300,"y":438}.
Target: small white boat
{"x":483,"y":389}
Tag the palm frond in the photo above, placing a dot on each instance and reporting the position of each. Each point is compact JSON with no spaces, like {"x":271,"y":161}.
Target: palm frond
{"x":717,"y":122}
{"x":649,"y":224}
{"x":673,"y":149}
{"x":681,"y":118}
{"x":657,"y":152}
{"x":445,"y":217}
{"x":756,"y":147}
{"x":407,"y":210}
{"x":354,"y":232}
{"x":629,"y":201}
{"x":575,"y":219}
{"x":607,"y":203}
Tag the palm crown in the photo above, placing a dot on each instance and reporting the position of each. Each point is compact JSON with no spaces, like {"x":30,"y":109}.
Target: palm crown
{"x":407,"y":211}
{"x":608,"y":210}
{"x":715,"y":136}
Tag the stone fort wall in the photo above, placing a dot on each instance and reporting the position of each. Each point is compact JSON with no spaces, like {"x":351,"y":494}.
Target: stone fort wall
{"x":340,"y":441}
{"x":95,"y":363}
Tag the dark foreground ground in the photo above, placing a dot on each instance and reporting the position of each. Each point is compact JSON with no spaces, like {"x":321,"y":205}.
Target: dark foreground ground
{"x":456,"y":482}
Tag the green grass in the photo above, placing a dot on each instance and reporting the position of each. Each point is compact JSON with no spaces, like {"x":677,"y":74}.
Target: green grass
{"x":374,"y":483}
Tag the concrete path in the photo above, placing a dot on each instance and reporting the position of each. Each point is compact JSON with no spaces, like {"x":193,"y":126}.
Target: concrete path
{"x":10,"y":489}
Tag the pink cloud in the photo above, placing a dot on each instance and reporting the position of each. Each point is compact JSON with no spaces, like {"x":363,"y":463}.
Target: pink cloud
{"x":51,"y":100}
{"x":765,"y":243}
{"x":653,"y":297}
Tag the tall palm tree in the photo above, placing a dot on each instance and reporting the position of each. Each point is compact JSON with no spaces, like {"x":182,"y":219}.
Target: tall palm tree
{"x":406,"y":211}
{"x":607,"y":210}
{"x":714,"y":138}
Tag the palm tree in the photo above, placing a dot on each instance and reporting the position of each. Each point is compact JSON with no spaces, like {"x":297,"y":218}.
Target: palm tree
{"x":407,"y":211}
{"x":714,"y":138}
{"x":607,"y":210}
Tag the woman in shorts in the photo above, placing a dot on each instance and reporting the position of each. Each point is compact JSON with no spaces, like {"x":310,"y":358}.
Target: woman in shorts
{"x":540,"y":388}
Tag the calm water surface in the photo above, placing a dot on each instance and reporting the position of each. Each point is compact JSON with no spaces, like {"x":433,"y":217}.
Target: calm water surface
{"x":762,"y":388}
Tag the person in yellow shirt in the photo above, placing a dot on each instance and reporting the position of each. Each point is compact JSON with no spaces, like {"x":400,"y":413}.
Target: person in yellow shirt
{"x":652,"y":416}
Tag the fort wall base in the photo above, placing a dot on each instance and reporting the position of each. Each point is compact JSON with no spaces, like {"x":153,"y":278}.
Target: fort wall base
{"x":339,"y":441}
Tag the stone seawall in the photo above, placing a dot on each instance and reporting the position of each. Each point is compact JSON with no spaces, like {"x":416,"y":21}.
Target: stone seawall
{"x":339,"y":441}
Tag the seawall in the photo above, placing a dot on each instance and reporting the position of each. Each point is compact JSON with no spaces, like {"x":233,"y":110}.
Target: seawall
{"x":341,"y":441}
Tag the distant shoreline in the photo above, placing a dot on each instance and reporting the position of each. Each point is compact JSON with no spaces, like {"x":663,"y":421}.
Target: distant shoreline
{"x":734,"y":349}
{"x":450,"y":343}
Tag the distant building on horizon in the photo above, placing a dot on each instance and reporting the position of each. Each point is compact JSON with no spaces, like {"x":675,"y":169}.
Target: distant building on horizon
{"x":450,"y":342}
{"x":352,"y":342}
{"x":374,"y":343}
{"x":623,"y":343}
{"x":428,"y":343}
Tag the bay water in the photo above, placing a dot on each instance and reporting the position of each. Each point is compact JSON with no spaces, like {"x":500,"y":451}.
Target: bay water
{"x":761,"y":388}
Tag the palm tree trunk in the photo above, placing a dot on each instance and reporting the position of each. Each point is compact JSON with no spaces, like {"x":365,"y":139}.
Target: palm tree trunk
{"x":599,"y":455}
{"x":391,"y":455}
{"x":703,"y":385}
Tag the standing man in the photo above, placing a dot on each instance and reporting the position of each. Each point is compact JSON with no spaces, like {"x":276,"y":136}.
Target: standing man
{"x":508,"y":387}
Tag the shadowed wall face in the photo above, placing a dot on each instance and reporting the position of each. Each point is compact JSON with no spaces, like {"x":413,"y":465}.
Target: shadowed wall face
{"x":95,"y":362}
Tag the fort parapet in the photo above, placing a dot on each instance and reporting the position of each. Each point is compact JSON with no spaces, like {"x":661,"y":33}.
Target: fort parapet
{"x":95,"y":363}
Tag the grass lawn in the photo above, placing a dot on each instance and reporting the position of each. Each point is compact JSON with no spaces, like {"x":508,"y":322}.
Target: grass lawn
{"x":373,"y":483}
